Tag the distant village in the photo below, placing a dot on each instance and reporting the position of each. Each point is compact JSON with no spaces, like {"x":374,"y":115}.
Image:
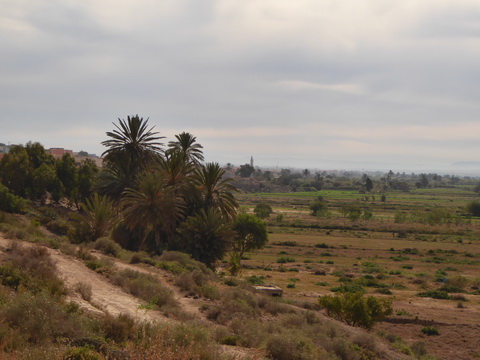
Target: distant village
{"x":58,"y":153}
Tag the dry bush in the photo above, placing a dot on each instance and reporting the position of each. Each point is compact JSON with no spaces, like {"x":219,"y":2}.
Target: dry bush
{"x":119,"y":328}
{"x":185,"y":261}
{"x":31,"y":267}
{"x":84,"y":289}
{"x":107,"y":246}
{"x":187,"y":341}
{"x":250,"y":333}
{"x":197,"y":283}
{"x":291,"y":346}
{"x":39,"y":318}
{"x":145,"y":287}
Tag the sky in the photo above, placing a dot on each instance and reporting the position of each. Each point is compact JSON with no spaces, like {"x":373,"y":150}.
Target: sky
{"x":320,"y":84}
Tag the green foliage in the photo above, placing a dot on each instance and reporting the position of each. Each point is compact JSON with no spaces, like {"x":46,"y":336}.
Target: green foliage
{"x":262,"y":210}
{"x":245,"y":171}
{"x":430,"y":331}
{"x":107,"y":246}
{"x":285,"y":259}
{"x":435,"y":294}
{"x":473,"y":208}
{"x":216,"y":192}
{"x":319,"y":207}
{"x":356,"y":309}
{"x":9,"y":202}
{"x":206,"y":236}
{"x":98,"y":217}
{"x":250,"y":234}
{"x":153,"y":209}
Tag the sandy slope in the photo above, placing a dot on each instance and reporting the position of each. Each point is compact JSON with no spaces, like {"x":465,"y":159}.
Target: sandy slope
{"x":106,"y":298}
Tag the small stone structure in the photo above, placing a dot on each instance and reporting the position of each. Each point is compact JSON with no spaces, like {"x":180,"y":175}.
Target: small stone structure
{"x":271,"y":290}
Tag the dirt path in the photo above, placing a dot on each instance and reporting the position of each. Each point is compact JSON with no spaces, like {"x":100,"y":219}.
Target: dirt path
{"x":106,"y":298}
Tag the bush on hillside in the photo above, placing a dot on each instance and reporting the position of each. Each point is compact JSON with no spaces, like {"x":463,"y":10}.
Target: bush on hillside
{"x":356,"y":309}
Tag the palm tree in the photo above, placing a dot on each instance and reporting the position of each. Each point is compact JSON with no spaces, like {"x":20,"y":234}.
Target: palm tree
{"x":154,"y":208}
{"x":132,"y":141}
{"x":215,"y":191}
{"x":98,"y":215}
{"x":176,"y":170}
{"x":206,"y":236}
{"x":186,"y":144}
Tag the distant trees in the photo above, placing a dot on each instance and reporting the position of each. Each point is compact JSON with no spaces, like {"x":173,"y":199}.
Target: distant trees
{"x":30,"y":172}
{"x":245,"y":171}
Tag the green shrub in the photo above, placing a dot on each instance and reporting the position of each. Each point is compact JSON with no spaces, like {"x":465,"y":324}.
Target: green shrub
{"x":435,"y":294}
{"x":107,"y":246}
{"x":430,"y":330}
{"x":58,"y":226}
{"x":9,"y":202}
{"x":255,"y":280}
{"x":285,"y":259}
{"x":285,"y":243}
{"x":356,"y":309}
{"x":262,"y":210}
{"x":473,"y":208}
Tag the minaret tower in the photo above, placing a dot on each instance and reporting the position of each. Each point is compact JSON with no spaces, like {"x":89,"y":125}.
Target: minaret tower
{"x":251,"y":161}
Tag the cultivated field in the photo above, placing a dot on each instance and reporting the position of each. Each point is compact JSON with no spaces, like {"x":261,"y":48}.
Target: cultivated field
{"x":418,"y":248}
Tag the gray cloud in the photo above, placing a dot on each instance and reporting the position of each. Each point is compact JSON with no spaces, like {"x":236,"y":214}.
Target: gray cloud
{"x":276,"y":79}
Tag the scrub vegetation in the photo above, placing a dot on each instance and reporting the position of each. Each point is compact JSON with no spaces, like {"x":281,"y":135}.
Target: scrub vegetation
{"x":372,"y":266}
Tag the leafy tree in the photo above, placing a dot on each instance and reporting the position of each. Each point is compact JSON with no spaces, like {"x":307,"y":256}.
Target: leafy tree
{"x":251,"y":234}
{"x":86,"y":177}
{"x":9,"y":202}
{"x":214,"y":191}
{"x":263,"y":210}
{"x":355,"y":309}
{"x":206,"y":236}
{"x":245,"y":171}
{"x":43,"y":179}
{"x":368,"y":184}
{"x":16,"y":172}
{"x":67,"y":173}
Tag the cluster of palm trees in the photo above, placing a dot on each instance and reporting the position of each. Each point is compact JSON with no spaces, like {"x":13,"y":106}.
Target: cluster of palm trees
{"x":163,"y":198}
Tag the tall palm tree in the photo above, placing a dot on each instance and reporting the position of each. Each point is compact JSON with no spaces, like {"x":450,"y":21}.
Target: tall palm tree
{"x":131,"y":149}
{"x":187,"y":144}
{"x":215,"y":191}
{"x":176,"y":170}
{"x":134,"y":141}
{"x":154,"y":208}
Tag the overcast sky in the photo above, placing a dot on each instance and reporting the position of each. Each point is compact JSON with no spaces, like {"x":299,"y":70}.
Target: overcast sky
{"x":328,"y":84}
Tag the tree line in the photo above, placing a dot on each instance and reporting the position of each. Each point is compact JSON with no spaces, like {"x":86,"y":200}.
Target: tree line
{"x":148,"y":196}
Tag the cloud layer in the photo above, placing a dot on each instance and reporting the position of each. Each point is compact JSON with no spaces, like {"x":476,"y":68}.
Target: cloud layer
{"x":325,"y":84}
